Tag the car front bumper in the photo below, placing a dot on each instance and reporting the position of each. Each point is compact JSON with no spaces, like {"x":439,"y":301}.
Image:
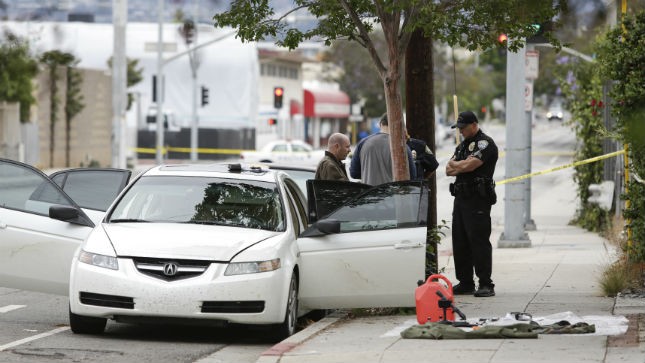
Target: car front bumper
{"x":247,"y":299}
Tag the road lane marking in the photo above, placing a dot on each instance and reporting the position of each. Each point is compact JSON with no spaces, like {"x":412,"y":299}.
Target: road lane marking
{"x":35,"y":337}
{"x":8,"y":308}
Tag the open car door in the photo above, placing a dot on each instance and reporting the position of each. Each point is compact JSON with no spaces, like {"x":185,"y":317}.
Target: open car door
{"x":325,"y":196}
{"x":93,"y":189}
{"x":369,"y":252}
{"x":41,"y":227}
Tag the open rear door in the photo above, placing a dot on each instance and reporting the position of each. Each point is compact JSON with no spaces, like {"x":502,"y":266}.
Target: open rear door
{"x":36,"y":249}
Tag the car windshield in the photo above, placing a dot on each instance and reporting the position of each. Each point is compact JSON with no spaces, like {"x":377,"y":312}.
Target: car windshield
{"x":201,"y":200}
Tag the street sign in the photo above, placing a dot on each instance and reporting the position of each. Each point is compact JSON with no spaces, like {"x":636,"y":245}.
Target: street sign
{"x":532,"y":64}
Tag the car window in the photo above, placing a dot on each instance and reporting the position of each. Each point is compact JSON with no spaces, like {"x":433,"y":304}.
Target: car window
{"x":299,"y":148}
{"x":387,"y":206}
{"x":26,"y":189}
{"x":93,"y":189}
{"x":202,"y":200}
{"x":324,"y":196}
{"x":279,"y":148}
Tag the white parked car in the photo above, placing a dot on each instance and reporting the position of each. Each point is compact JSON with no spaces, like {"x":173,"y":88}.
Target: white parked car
{"x":285,"y":152}
{"x":213,"y":243}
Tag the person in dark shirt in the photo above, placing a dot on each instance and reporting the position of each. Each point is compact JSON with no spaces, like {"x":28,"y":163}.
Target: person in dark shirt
{"x":473,"y":164}
{"x":424,"y":160}
{"x":331,"y":166}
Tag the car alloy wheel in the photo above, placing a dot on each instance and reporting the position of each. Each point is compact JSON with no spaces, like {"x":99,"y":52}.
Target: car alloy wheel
{"x":288,"y":326}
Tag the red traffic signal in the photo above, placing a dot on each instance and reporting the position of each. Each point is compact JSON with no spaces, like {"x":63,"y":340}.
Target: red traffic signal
{"x":273,"y":122}
{"x":278,"y":92}
{"x":502,"y":38}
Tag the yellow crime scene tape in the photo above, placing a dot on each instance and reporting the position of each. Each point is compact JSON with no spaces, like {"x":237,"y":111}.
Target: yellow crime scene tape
{"x":581,"y":162}
{"x":149,"y":150}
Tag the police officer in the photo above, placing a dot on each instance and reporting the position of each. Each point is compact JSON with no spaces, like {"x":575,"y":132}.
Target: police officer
{"x":473,"y":163}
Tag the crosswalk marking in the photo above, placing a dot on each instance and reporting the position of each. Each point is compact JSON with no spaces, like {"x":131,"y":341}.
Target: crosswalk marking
{"x":8,"y":308}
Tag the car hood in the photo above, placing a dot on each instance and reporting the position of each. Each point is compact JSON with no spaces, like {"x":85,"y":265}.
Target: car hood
{"x":182,"y":241}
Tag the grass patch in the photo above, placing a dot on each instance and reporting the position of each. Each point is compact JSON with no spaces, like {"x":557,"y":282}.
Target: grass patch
{"x":620,"y":276}
{"x":624,"y":275}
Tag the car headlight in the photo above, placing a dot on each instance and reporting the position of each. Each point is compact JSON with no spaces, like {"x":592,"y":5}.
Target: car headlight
{"x":240,"y":268}
{"x":99,"y":260}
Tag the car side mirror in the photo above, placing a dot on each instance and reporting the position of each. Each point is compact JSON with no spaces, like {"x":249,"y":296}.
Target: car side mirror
{"x":322,"y":227}
{"x":328,"y":226}
{"x":69,"y":214}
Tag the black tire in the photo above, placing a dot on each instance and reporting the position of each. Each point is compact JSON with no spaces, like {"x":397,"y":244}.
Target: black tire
{"x":288,"y":327}
{"x":86,"y":324}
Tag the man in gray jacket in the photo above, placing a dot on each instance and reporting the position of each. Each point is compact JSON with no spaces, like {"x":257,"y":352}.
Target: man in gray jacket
{"x":331,"y":166}
{"x":372,"y":161}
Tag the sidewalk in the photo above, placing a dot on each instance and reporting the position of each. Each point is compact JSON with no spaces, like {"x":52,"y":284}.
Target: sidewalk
{"x":558,"y":273}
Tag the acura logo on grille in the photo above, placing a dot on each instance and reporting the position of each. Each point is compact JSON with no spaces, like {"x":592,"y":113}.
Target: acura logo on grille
{"x":170,"y":269}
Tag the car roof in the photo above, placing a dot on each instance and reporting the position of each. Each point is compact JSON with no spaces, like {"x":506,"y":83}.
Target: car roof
{"x":297,"y":142}
{"x":275,"y":166}
{"x":223,"y":170}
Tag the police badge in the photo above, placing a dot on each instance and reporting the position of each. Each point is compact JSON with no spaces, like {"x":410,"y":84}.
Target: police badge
{"x":471,"y":147}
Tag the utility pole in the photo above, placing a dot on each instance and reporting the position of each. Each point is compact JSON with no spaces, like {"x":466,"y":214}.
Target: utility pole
{"x":160,"y":91}
{"x":419,"y":105}
{"x":516,"y":137}
{"x":119,"y":82}
{"x":529,"y":223}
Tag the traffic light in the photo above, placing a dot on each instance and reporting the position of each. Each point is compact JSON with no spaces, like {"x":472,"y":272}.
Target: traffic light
{"x":278,"y":92}
{"x":273,"y":122}
{"x":502,"y":38}
{"x":541,"y":29}
{"x":188,"y":31}
{"x":154,"y":88}
{"x":204,"y":96}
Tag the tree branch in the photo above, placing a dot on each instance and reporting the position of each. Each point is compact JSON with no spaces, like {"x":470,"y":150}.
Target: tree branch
{"x":363,"y":34}
{"x":410,"y":14}
{"x":305,"y":6}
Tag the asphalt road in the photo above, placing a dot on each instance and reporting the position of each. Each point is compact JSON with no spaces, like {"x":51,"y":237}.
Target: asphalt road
{"x":34,"y":327}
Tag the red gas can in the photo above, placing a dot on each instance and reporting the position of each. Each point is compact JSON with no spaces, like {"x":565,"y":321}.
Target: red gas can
{"x":428,"y":296}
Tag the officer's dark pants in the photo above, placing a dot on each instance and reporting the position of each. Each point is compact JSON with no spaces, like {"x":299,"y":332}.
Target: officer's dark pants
{"x":471,"y":246}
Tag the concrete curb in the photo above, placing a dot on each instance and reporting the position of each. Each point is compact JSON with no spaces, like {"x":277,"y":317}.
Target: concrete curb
{"x":275,"y":353}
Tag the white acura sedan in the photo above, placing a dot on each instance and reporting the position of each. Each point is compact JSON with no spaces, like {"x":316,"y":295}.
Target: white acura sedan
{"x":213,"y":243}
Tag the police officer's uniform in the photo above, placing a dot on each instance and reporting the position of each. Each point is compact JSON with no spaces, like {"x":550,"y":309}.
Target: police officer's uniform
{"x":471,"y":224}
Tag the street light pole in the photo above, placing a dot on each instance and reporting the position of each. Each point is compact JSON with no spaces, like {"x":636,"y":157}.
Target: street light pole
{"x":160,"y":115}
{"x":514,"y":234}
{"x":119,"y":84}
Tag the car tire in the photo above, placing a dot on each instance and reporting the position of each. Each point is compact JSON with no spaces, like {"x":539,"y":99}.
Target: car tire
{"x":288,"y":326}
{"x":86,"y":324}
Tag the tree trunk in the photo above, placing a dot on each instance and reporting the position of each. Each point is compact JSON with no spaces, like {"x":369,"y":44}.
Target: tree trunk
{"x":397,"y":130}
{"x":419,"y":97}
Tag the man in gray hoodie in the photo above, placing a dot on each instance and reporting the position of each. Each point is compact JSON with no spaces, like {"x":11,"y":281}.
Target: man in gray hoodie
{"x":372,"y":161}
